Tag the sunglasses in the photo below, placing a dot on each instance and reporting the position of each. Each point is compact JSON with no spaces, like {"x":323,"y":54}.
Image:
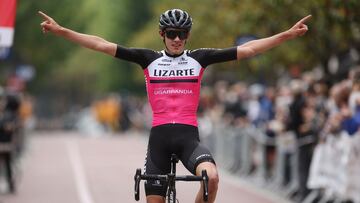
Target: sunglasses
{"x":172,"y":34}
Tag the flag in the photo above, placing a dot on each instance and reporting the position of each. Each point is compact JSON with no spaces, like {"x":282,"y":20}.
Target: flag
{"x":7,"y":22}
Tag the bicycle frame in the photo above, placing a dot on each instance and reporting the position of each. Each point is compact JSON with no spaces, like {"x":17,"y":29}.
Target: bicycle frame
{"x":171,"y":179}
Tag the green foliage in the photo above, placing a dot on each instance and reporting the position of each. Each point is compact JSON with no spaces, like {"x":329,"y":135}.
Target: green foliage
{"x":67,"y":68}
{"x":334,"y":28}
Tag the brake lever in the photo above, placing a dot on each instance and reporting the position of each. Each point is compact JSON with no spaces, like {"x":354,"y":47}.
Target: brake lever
{"x":137,"y":179}
{"x":205,"y":180}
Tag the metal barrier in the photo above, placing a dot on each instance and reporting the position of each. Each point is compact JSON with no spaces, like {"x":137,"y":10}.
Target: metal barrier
{"x":242,"y":151}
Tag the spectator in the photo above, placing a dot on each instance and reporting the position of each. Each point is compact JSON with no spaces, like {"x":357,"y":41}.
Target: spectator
{"x":9,"y":126}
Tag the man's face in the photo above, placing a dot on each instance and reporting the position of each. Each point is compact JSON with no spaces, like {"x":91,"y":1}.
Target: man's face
{"x":175,"y":40}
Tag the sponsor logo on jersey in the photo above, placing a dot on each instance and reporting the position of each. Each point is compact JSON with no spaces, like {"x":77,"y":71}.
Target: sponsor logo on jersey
{"x":183,"y":63}
{"x":166,"y":60}
{"x":172,"y":91}
{"x":169,"y":73}
{"x":164,"y":64}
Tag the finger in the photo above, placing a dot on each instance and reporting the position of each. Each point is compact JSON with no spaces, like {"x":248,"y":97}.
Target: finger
{"x":302,"y":26}
{"x":302,"y":31}
{"x":44,"y":16}
{"x":44,"y":30}
{"x":303,"y":20}
{"x":45,"y":26}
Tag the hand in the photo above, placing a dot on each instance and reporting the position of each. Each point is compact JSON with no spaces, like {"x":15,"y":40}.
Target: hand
{"x":300,"y":28}
{"x":49,"y":24}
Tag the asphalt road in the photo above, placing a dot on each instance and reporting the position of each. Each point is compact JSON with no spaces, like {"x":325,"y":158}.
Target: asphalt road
{"x":67,"y":167}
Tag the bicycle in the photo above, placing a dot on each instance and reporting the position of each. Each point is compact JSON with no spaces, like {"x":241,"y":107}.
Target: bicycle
{"x":170,"y":179}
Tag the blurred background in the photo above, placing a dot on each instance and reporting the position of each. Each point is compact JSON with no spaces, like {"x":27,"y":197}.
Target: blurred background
{"x":263,"y":118}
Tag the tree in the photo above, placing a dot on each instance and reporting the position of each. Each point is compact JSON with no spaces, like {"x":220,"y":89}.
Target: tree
{"x":57,"y":61}
{"x":334,"y":29}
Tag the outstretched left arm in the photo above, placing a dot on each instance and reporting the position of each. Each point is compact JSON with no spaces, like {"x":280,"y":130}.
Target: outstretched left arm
{"x":255,"y":47}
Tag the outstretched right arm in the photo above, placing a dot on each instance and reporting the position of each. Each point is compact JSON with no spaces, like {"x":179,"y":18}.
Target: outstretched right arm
{"x":89,"y":41}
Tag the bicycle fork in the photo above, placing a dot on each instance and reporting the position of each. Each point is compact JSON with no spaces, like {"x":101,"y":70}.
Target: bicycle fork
{"x":172,"y":189}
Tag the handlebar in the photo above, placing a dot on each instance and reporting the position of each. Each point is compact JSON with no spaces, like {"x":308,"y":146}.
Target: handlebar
{"x":170,"y":177}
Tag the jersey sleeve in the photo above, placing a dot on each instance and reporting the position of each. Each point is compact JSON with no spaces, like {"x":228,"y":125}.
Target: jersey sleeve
{"x":208,"y":56}
{"x":141,"y":56}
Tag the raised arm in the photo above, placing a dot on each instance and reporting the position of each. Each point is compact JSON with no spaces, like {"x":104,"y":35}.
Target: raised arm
{"x":255,"y":47}
{"x":89,"y":41}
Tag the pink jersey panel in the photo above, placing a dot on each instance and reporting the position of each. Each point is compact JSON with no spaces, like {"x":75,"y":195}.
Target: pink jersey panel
{"x":173,"y":87}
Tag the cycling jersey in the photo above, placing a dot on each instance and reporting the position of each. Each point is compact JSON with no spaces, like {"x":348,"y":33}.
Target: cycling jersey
{"x":173,"y":82}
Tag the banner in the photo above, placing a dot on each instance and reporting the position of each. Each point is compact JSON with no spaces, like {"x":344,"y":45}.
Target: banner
{"x":7,"y":22}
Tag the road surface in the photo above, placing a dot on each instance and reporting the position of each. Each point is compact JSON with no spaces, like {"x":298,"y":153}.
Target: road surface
{"x":68,"y":167}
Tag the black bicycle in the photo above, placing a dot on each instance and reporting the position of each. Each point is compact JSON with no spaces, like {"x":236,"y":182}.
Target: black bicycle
{"x":170,"y":179}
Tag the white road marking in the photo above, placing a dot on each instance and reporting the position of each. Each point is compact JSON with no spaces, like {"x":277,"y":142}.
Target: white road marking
{"x":79,"y":173}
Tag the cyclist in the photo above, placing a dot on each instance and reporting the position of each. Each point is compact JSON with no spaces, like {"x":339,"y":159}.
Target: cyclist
{"x":173,"y":78}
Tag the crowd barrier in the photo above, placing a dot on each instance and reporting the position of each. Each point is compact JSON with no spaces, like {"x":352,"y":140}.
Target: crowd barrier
{"x":245,"y":152}
{"x":335,"y":169}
